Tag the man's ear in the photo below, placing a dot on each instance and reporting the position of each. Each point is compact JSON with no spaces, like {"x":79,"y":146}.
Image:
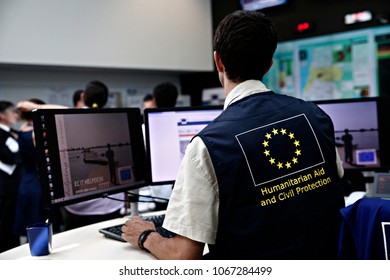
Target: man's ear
{"x":218,"y":62}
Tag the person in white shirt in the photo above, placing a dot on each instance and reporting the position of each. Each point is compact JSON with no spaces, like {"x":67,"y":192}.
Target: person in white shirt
{"x":263,"y":180}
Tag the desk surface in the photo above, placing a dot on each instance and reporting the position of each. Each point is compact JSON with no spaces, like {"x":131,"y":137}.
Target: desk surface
{"x":85,"y":243}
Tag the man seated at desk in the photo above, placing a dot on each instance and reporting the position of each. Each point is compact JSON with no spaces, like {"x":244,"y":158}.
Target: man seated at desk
{"x":263,"y":180}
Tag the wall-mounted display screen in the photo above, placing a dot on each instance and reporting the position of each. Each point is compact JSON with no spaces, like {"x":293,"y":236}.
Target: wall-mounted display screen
{"x":343,"y":65}
{"x":253,"y":5}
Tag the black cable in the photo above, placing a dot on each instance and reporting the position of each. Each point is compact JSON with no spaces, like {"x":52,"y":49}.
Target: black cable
{"x":148,"y":196}
{"x":154,"y":198}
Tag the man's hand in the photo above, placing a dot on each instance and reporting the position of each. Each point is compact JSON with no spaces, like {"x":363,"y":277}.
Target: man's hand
{"x":175,"y":248}
{"x":133,"y":228}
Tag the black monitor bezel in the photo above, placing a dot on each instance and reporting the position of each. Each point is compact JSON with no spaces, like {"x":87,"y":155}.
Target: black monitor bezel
{"x":137,"y":143}
{"x":147,"y":135}
{"x":383,"y":117}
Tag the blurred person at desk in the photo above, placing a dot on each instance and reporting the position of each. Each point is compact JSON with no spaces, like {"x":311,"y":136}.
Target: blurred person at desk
{"x":148,"y":101}
{"x":165,"y":95}
{"x":262,"y":181}
{"x":96,"y":210}
{"x":78,"y":99}
{"x":10,"y":162}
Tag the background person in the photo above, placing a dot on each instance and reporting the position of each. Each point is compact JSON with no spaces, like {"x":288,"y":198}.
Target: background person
{"x":29,"y":208}
{"x":149,"y":102}
{"x":78,"y":99}
{"x":10,"y":162}
{"x":165,"y":95}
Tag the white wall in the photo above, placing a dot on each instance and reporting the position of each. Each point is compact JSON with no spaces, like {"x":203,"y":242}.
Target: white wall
{"x":50,"y":48}
{"x":125,"y":34}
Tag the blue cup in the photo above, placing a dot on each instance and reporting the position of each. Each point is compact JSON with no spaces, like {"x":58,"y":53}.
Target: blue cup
{"x":40,"y":238}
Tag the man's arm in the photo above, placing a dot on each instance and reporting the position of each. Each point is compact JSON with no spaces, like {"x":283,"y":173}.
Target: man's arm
{"x":175,"y":248}
{"x":27,"y":106}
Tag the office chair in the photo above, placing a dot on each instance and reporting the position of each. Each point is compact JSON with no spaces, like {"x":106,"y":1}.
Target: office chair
{"x":365,"y":230}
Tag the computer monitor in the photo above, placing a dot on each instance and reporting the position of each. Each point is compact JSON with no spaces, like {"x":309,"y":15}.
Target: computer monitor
{"x":88,"y":153}
{"x":381,"y":186}
{"x":253,"y":5}
{"x":361,"y":126}
{"x":351,"y":64}
{"x":167,"y":134}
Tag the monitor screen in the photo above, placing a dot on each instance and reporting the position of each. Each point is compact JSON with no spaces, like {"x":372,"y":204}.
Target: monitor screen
{"x":167,"y":133}
{"x":381,"y":185}
{"x":350,"y":64}
{"x":360,"y":131}
{"x":253,"y":5}
{"x":89,"y":153}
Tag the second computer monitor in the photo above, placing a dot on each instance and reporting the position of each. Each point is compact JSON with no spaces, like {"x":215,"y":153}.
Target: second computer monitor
{"x":88,"y":153}
{"x":167,"y":134}
{"x":361,"y":126}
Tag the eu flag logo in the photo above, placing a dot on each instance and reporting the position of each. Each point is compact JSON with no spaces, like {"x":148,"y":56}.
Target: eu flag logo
{"x":280,"y":149}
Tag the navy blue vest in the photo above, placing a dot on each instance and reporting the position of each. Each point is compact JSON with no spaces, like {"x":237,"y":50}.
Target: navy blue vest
{"x":280,"y":195}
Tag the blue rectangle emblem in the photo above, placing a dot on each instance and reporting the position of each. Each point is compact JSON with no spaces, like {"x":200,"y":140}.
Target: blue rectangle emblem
{"x":280,"y":149}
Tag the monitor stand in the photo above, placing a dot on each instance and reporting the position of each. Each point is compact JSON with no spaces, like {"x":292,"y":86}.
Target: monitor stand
{"x":134,"y":203}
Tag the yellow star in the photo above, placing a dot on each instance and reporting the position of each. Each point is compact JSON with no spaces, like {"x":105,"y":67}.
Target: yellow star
{"x":295,"y":142}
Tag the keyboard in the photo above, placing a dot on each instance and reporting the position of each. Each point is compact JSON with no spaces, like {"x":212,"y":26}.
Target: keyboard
{"x":115,"y":231}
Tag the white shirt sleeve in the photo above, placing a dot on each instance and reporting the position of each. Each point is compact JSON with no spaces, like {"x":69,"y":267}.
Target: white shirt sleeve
{"x":193,"y":207}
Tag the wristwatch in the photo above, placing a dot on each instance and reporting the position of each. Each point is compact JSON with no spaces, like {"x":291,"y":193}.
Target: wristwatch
{"x":142,"y":238}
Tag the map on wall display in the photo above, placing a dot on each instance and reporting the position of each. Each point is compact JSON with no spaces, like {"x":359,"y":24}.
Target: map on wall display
{"x":335,"y":69}
{"x":281,"y":77}
{"x":344,"y":65}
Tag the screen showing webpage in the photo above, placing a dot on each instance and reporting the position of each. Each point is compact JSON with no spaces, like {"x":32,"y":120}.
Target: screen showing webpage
{"x":168,"y":136}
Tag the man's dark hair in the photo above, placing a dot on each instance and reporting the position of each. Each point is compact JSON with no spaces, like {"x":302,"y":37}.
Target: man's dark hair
{"x":77,"y":96}
{"x":95,"y":94}
{"x":4,"y":105}
{"x":28,"y":115}
{"x":246,"y":42}
{"x":165,"y":95}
